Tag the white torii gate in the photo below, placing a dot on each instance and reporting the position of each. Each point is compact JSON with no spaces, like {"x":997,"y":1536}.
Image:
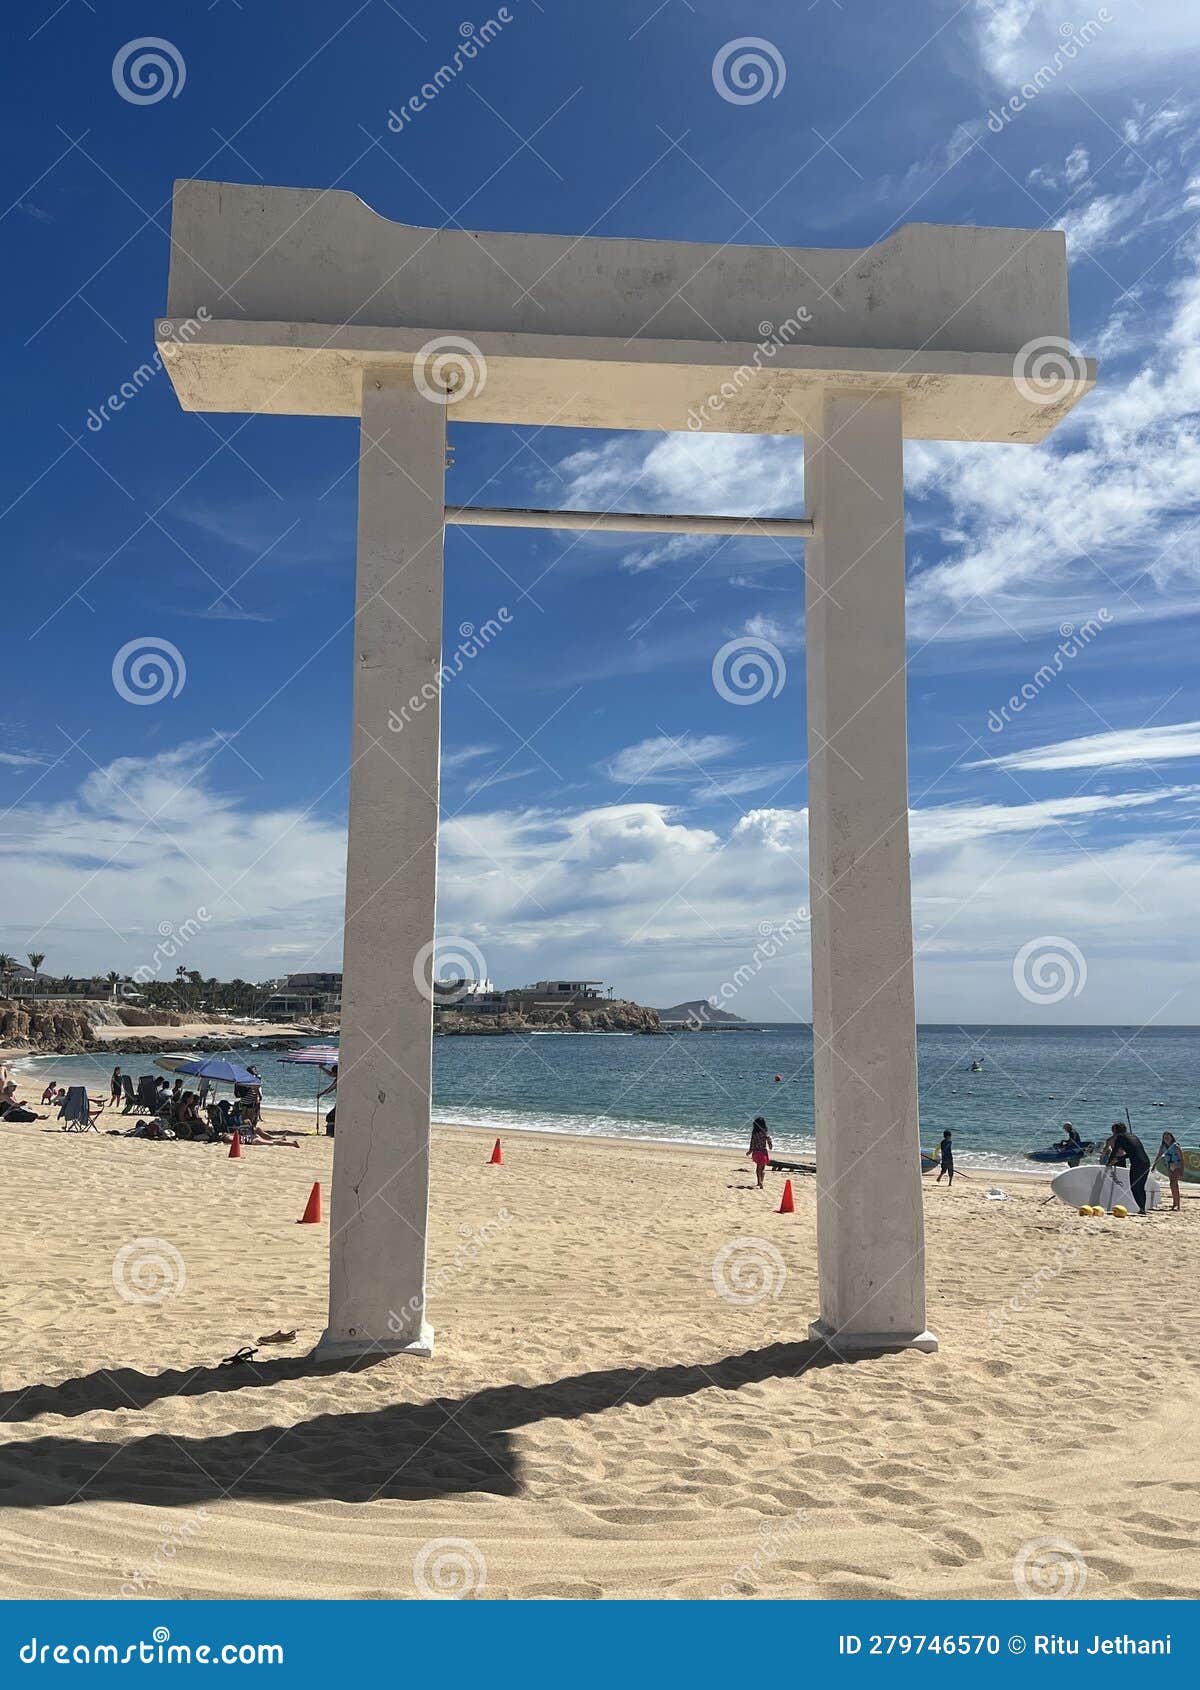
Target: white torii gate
{"x":306,"y":302}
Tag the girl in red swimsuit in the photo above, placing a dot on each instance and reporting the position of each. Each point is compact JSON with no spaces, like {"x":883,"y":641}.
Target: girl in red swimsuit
{"x":760,"y":1147}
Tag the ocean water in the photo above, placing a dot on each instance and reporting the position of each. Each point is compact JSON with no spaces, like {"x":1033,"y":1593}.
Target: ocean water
{"x":704,"y":1088}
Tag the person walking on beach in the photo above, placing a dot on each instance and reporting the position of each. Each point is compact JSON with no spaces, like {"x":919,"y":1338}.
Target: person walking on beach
{"x":1171,"y":1157}
{"x":947,"y":1167}
{"x":1125,"y":1148}
{"x":114,"y":1086}
{"x":760,"y":1148}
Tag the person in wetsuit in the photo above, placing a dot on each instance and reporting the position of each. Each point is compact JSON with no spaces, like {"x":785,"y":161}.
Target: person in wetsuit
{"x":1124,"y":1146}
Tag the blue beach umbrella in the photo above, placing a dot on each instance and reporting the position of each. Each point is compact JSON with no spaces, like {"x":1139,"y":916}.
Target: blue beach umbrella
{"x":218,"y":1068}
{"x":324,"y":1057}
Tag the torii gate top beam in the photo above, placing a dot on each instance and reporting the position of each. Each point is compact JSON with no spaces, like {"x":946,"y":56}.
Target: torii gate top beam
{"x":288,"y":293}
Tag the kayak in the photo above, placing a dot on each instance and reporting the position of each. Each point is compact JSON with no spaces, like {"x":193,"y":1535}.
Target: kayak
{"x":1072,"y":1154}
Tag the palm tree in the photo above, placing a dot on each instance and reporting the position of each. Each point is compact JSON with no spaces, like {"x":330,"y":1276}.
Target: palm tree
{"x":112,"y":980}
{"x":35,"y":959}
{"x":7,"y":964}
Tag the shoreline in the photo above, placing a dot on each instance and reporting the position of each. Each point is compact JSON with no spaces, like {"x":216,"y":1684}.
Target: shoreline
{"x":296,"y":1118}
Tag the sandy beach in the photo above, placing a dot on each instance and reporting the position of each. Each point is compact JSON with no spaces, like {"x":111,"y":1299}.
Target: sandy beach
{"x":621,"y":1401}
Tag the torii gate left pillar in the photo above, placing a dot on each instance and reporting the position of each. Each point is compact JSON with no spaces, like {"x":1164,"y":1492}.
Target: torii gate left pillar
{"x":304,"y":302}
{"x":379,"y":1209}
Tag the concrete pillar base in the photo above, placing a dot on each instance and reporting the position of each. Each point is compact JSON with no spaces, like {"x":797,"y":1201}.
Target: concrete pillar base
{"x":857,"y":1343}
{"x":334,"y":1349}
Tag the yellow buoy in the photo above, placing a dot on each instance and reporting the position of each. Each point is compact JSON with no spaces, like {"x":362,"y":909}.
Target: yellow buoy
{"x":1084,"y":1209}
{"x":1120,"y":1210}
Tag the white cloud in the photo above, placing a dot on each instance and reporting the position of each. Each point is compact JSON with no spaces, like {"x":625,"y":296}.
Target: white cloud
{"x":454,"y":760}
{"x":1094,"y":518}
{"x":635,"y":893}
{"x":1015,"y":38}
{"x":147,"y":841}
{"x":667,"y":754}
{"x":1116,"y":749}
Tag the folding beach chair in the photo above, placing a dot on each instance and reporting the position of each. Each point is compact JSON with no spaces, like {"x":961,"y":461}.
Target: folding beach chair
{"x":75,"y":1111}
{"x":147,"y":1094}
{"x":128,"y":1096}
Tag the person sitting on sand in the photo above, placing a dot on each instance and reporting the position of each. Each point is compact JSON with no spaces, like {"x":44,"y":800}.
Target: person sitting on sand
{"x":51,"y":1094}
{"x":947,"y":1154}
{"x":1171,"y":1158}
{"x":189,"y":1119}
{"x":11,"y":1107}
{"x":760,"y":1148}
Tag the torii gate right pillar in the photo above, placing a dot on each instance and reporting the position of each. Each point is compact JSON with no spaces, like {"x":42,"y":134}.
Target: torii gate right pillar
{"x":870,"y":1234}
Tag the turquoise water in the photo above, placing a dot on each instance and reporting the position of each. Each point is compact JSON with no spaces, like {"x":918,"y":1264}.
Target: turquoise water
{"x":704,"y":1088}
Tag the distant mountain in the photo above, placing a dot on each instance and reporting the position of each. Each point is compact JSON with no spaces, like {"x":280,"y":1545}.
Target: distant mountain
{"x":698,"y":1011}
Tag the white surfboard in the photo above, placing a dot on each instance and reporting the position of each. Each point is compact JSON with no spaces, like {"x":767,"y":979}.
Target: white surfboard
{"x":1102,"y":1186}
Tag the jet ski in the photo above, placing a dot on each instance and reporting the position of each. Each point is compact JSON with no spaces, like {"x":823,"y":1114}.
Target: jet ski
{"x":1071,"y":1154}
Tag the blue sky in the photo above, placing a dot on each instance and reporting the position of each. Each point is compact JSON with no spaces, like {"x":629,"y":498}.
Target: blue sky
{"x":606,"y":811}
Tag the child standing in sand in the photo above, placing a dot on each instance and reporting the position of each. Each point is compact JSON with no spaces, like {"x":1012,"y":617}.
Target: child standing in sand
{"x":760,"y":1148}
{"x":947,"y":1167}
{"x":1171,"y":1158}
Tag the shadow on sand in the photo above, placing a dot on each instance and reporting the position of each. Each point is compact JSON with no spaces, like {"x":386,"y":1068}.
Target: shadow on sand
{"x":407,"y":1450}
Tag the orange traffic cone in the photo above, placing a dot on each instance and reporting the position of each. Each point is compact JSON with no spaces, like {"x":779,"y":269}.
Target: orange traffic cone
{"x":787,"y":1205}
{"x":235,"y":1148}
{"x":312,"y":1209}
{"x":497,"y":1155}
